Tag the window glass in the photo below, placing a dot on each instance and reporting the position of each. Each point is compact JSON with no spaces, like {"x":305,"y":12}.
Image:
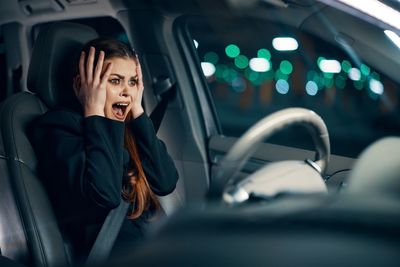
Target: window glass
{"x":255,"y":67}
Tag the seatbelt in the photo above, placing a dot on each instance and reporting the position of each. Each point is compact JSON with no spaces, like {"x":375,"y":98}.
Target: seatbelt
{"x":165,"y":90}
{"x":109,"y":230}
{"x":108,"y":233}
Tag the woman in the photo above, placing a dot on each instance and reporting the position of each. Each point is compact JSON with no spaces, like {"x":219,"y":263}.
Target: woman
{"x":92,"y":158}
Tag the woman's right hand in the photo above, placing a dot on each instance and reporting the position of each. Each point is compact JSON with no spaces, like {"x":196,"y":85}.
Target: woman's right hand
{"x":90,"y":85}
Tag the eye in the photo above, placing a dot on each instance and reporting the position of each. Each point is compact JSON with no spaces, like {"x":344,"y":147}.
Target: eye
{"x":115,"y":81}
{"x":133,"y":82}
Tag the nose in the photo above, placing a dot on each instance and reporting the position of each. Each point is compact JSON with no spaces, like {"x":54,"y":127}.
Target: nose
{"x":125,"y":92}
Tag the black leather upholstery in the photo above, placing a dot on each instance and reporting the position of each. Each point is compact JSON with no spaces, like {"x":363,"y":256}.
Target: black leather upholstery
{"x":28,"y":228}
{"x":56,"y":50}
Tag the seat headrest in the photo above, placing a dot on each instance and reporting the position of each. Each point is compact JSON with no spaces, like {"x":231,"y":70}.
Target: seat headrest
{"x":54,"y":54}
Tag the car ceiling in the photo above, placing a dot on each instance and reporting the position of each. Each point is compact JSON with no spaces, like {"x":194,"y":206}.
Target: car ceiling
{"x":365,"y":40}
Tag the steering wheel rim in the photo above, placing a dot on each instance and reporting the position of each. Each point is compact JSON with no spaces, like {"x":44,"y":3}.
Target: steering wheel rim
{"x":244,"y":147}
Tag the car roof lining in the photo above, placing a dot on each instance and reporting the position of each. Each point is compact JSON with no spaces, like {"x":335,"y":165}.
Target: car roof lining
{"x":380,"y":54}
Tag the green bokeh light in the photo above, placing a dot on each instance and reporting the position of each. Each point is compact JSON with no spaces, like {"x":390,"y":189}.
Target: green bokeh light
{"x":358,"y":85}
{"x":232,"y":50}
{"x":328,"y":82}
{"x":220,"y":72}
{"x":346,"y":66}
{"x":231,"y":75}
{"x":365,"y":70}
{"x":281,"y":76}
{"x":340,"y":82}
{"x":286,"y":67}
{"x":376,"y":76}
{"x":211,"y":57}
{"x":264,"y":53}
{"x":328,"y":75}
{"x":241,"y":62}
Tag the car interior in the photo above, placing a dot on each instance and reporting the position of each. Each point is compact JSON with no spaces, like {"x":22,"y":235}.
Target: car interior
{"x":266,"y":176}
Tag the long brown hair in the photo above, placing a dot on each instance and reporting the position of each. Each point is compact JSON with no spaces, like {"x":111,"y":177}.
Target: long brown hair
{"x":135,"y":189}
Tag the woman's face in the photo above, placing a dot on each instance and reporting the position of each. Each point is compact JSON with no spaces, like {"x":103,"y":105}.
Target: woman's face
{"x":122,"y":87}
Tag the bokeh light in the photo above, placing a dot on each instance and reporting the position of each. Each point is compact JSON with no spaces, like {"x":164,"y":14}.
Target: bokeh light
{"x":241,"y":62}
{"x":354,"y":74}
{"x":376,"y":86}
{"x":285,"y":43}
{"x":211,"y":57}
{"x":196,"y":44}
{"x":238,"y":84}
{"x":311,"y":88}
{"x":365,"y":70}
{"x":264,"y":53}
{"x":340,"y":82}
{"x":281,"y":76}
{"x":346,"y":66}
{"x":330,"y":66}
{"x":232,"y":50}
{"x":208,"y":69}
{"x":259,"y":64}
{"x":286,"y":67}
{"x":282,"y":87}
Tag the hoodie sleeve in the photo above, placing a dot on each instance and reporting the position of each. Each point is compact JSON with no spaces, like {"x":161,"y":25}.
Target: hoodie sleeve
{"x":85,"y":155}
{"x":158,"y":165}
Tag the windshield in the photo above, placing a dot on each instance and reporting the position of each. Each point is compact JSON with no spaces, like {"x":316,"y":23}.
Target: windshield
{"x":255,"y":66}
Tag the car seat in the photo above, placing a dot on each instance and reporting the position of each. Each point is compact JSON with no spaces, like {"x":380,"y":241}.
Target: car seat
{"x":29,"y":233}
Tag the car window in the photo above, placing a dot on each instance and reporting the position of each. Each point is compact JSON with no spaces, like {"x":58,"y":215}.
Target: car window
{"x":254,"y":67}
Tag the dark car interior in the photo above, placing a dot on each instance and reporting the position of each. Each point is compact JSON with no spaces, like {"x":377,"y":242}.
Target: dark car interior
{"x":352,"y":219}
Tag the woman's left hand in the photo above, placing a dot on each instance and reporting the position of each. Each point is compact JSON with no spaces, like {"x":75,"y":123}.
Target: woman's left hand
{"x":137,"y":108}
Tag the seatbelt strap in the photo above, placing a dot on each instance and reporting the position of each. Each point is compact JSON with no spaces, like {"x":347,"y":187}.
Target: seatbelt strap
{"x":108,"y":234}
{"x":165,"y":90}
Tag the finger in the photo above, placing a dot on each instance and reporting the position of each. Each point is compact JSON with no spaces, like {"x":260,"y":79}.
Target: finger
{"x":140,"y":77}
{"x":106,"y":74}
{"x":82,"y":67}
{"x":89,"y":65}
{"x":99,"y":67}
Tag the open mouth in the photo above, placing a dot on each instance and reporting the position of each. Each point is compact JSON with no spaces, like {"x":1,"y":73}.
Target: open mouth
{"x":120,"y":110}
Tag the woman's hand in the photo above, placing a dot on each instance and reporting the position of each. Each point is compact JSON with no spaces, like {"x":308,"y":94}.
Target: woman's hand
{"x":90,"y":85}
{"x":137,"y":108}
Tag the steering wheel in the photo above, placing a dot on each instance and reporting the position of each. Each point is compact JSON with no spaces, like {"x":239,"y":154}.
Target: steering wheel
{"x":285,"y":176}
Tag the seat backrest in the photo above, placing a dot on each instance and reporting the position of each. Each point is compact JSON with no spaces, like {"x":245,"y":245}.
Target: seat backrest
{"x":29,"y":232}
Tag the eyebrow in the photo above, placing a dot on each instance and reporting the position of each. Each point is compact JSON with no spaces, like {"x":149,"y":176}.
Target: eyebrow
{"x":123,"y":77}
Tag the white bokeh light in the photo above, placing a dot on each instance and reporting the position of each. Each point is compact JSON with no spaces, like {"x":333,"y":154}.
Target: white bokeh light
{"x":259,"y":64}
{"x":196,"y":44}
{"x":376,"y":86}
{"x":285,"y":43}
{"x":330,"y":66}
{"x":354,"y":74}
{"x":208,"y":69}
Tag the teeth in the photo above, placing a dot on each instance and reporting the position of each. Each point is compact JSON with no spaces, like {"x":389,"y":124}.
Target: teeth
{"x":122,"y":104}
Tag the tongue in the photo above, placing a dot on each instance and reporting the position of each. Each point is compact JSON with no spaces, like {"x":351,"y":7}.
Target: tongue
{"x":118,"y":111}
